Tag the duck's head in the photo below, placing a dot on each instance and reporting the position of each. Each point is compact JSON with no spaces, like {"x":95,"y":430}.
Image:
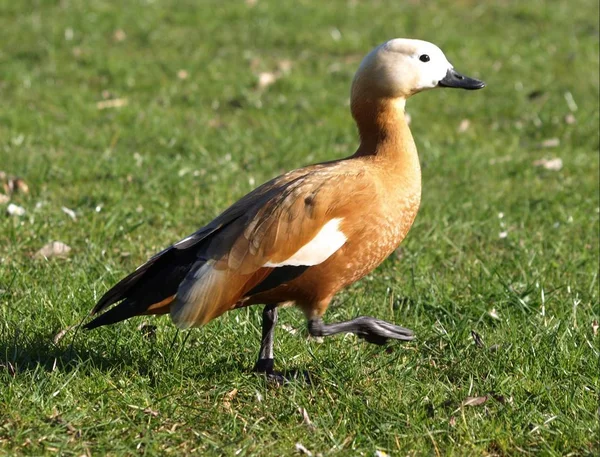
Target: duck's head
{"x":401,"y":67}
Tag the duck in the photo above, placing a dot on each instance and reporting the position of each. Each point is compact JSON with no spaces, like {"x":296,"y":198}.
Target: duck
{"x":301,"y":237}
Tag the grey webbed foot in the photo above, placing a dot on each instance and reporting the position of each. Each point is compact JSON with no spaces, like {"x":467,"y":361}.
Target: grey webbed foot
{"x":373,"y":330}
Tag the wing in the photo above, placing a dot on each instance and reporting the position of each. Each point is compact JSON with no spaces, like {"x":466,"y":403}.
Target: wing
{"x":252,"y":246}
{"x":159,"y":278}
{"x":297,"y":226}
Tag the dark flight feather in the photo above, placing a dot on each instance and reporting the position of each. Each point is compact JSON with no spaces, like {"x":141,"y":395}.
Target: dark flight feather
{"x":278,"y":277}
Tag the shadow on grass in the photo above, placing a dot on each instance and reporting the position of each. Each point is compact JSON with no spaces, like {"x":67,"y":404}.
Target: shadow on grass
{"x":21,"y":353}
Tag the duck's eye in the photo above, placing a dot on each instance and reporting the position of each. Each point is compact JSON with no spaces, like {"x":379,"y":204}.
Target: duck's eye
{"x":424,"y":58}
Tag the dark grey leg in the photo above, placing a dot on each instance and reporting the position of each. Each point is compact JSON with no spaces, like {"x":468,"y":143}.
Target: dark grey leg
{"x":264,"y":364}
{"x":372,"y":330}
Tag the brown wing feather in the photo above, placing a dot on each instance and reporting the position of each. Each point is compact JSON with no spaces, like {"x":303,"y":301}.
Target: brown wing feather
{"x":278,"y":225}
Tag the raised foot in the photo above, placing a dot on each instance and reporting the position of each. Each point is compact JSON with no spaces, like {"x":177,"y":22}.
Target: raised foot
{"x":378,"y":331}
{"x":370,"y":329}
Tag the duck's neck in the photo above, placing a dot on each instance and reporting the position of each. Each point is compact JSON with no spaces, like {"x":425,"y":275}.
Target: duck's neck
{"x":387,"y":144}
{"x":384,"y":131}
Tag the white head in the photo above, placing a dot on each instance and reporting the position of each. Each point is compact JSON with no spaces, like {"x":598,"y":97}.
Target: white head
{"x":401,"y":67}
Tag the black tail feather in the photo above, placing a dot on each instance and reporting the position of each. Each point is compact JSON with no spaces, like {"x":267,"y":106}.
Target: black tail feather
{"x":123,"y":311}
{"x":152,"y":283}
{"x":119,"y":290}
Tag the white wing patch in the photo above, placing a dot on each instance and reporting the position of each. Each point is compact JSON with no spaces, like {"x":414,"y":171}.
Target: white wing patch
{"x":329,"y":239}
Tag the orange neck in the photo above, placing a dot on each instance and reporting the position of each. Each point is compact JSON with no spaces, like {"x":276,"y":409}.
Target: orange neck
{"x":384,"y":133}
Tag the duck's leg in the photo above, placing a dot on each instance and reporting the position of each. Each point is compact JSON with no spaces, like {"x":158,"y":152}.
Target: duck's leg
{"x":264,"y":364}
{"x":372,"y":330}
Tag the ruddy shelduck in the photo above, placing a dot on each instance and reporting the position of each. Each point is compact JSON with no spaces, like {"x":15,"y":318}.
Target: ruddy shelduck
{"x":303,"y":236}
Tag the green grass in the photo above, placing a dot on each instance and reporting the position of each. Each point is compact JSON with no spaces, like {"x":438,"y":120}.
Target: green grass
{"x":141,"y":176}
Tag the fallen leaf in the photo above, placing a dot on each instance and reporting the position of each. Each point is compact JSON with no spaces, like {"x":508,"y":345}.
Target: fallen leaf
{"x":119,"y":35}
{"x":53,"y":249}
{"x":69,"y":212}
{"x":305,"y":418}
{"x":231,"y":395}
{"x":555,"y":164}
{"x":302,"y":450}
{"x":464,"y":125}
{"x":14,"y":210}
{"x":477,"y":339}
{"x":15,"y":185}
{"x":112,"y":103}
{"x":288,"y":328}
{"x":60,"y":335}
{"x":227,"y":399}
{"x":474,"y":401}
{"x":4,"y":199}
{"x":21,"y":186}
{"x":595,"y":327}
{"x":550,"y":143}
{"x":265,"y":79}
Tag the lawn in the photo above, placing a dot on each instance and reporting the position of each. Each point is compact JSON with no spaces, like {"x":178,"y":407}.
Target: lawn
{"x":134,"y":123}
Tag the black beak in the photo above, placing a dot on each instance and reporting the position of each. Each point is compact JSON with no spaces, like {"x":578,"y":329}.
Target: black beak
{"x":454,"y":79}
